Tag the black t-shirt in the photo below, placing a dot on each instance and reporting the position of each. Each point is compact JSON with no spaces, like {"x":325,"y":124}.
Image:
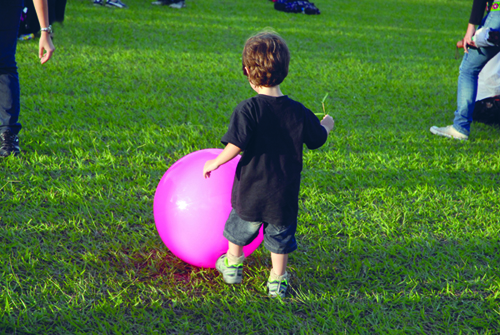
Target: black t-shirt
{"x":271,"y":132}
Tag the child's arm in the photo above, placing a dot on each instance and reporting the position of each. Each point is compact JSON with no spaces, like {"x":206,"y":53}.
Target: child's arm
{"x":316,"y":132}
{"x":230,"y":151}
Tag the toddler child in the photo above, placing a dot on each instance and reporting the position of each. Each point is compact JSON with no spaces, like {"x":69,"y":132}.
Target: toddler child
{"x":270,"y":129}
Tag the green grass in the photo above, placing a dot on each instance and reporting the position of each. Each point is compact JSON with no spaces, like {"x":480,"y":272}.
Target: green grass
{"x":398,"y":229}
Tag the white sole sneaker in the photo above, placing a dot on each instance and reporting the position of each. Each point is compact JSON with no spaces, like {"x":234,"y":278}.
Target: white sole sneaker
{"x":180,"y":4}
{"x":448,"y":131}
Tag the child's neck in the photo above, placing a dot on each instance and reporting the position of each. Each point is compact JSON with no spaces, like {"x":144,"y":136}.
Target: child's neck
{"x":273,"y":91}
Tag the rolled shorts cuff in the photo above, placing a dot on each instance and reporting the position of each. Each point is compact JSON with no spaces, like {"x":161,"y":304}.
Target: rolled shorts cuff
{"x":234,"y":240}
{"x":278,"y":249}
{"x":278,"y":240}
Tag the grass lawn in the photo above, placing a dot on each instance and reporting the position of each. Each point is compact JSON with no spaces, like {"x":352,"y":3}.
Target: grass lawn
{"x":398,"y":228}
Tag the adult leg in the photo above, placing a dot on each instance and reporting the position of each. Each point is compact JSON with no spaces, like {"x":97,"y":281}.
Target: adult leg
{"x":472,"y":64}
{"x":9,"y":79}
{"x":10,"y":16}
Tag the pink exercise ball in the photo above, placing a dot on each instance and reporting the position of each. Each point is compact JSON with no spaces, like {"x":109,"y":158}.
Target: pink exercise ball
{"x":190,"y":211}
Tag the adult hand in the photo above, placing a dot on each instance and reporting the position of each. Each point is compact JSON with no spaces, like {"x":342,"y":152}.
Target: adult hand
{"x":467,"y":40}
{"x":46,"y":45}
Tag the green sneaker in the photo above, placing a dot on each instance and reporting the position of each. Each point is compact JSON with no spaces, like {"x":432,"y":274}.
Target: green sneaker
{"x":277,"y":288}
{"x":232,"y":274}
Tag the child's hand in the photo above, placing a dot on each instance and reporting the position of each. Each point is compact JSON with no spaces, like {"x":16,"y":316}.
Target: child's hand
{"x":328,"y":123}
{"x":229,"y":152}
{"x":210,"y":166}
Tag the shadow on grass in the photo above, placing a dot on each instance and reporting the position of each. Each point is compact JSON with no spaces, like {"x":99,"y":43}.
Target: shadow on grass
{"x":419,"y":285}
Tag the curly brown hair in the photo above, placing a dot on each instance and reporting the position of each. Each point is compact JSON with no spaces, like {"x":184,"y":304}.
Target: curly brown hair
{"x":266,"y":56}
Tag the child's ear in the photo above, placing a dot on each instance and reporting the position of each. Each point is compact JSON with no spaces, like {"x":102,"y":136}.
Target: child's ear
{"x":245,"y":71}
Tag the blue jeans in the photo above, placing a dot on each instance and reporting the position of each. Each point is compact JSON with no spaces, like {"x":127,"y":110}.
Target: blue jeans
{"x":472,"y":64}
{"x":10,"y":16}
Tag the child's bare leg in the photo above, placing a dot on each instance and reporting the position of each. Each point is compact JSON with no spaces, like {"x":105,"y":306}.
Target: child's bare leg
{"x":279,"y":263}
{"x":235,"y":250}
{"x":278,"y":278}
{"x":235,"y":254}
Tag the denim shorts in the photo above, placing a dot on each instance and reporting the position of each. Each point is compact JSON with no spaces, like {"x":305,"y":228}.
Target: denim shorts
{"x":279,"y":240}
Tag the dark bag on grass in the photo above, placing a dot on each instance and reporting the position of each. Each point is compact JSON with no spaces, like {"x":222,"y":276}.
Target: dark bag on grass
{"x":487,"y":111}
{"x":29,"y":19}
{"x":291,"y":6}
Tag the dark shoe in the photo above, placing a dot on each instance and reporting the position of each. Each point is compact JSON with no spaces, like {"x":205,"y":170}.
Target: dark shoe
{"x":162,"y":2}
{"x":9,"y":144}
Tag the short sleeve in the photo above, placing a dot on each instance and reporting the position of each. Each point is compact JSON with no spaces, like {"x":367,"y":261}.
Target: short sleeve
{"x":240,"y":128}
{"x":315,"y":134}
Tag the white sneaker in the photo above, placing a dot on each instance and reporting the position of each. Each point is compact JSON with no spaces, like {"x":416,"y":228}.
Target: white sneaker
{"x":449,"y":131}
{"x":179,"y":4}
